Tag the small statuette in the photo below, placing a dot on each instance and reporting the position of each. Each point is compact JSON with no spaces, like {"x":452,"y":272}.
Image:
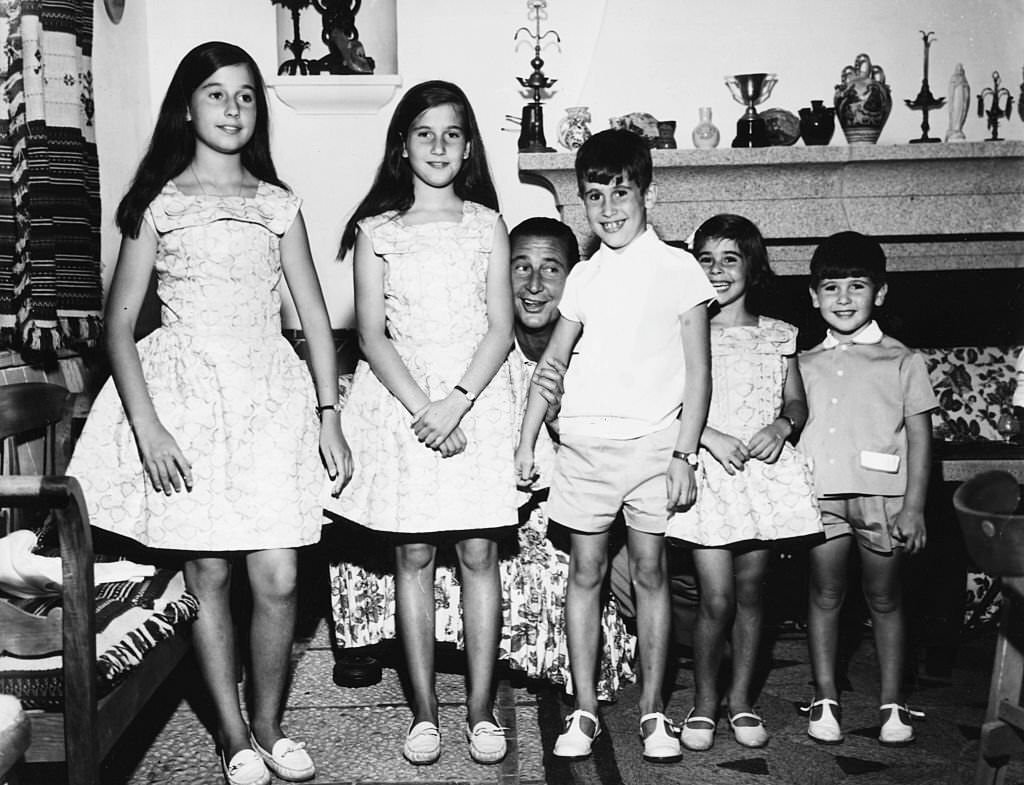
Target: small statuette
{"x":959,"y":103}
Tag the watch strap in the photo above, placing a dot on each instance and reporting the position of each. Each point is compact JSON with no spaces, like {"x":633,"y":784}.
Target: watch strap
{"x":469,"y":396}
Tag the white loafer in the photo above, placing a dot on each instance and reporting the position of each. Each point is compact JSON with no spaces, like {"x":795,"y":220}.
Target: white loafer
{"x":287,"y":759}
{"x":422,"y":744}
{"x":487,"y":742}
{"x":246,"y":767}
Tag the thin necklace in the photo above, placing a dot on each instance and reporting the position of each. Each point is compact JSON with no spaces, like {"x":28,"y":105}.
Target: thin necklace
{"x":241,"y":185}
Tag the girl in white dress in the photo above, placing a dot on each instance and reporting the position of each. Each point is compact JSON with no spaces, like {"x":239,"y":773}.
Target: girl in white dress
{"x":215,"y":403}
{"x":753,"y":486}
{"x":431,"y":415}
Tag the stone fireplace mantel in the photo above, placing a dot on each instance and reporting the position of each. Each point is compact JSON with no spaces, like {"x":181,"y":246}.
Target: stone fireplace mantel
{"x":948,"y":206}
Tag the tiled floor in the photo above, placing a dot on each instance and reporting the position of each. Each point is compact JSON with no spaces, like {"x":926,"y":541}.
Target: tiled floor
{"x":355,"y":734}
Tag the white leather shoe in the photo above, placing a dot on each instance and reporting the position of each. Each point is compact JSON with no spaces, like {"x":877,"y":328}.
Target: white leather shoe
{"x":698,"y":738}
{"x":823,"y":721}
{"x":753,"y":735}
{"x":896,"y":730}
{"x":661,"y":745}
{"x":575,"y":743}
{"x":487,"y":742}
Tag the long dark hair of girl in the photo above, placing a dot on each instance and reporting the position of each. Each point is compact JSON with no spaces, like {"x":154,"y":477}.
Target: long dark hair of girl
{"x":749,"y":240}
{"x":173,"y":143}
{"x":392,"y":188}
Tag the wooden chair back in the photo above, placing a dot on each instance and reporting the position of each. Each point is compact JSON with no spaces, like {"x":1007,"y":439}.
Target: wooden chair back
{"x":29,"y":411}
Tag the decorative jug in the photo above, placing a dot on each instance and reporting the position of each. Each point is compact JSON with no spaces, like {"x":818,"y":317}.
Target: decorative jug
{"x":573,"y":130}
{"x":705,"y":134}
{"x":862,"y":101}
{"x":817,"y":123}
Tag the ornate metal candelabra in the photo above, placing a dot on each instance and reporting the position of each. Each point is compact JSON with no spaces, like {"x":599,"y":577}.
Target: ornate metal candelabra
{"x":925,"y":101}
{"x":531,"y":137}
{"x":997,"y":93}
{"x":297,"y":64}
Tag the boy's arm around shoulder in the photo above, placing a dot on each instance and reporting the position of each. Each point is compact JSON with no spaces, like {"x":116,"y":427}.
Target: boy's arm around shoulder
{"x":559,"y":350}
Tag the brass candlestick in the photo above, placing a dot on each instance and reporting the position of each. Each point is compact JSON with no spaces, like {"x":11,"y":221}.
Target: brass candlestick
{"x":531,"y":137}
{"x":925,"y":101}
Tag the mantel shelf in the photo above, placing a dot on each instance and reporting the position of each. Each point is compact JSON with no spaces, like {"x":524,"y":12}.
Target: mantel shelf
{"x":935,"y":206}
{"x":328,"y":94}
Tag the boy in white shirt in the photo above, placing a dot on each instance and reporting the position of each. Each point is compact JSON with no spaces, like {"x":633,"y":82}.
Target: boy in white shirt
{"x":633,"y":319}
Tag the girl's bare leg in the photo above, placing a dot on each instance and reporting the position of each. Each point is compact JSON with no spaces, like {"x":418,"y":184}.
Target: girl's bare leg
{"x":481,"y":605}
{"x":414,"y":599}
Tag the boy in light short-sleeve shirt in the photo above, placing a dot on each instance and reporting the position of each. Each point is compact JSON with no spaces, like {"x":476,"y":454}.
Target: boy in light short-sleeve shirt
{"x":869,"y":435}
{"x":633,"y":329}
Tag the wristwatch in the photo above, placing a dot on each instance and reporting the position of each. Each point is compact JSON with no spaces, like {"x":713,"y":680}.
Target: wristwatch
{"x":330,"y":407}
{"x":469,"y":396}
{"x":792,"y":423}
{"x":689,"y":457}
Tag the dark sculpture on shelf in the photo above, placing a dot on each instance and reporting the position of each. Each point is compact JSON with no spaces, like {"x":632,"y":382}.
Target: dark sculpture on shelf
{"x":925,"y":101}
{"x":531,"y":136}
{"x":297,"y":64}
{"x":346,"y":54}
{"x":997,"y":93}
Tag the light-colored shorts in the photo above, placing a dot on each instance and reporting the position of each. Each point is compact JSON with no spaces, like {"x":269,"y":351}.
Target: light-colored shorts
{"x":594,"y":478}
{"x":868,"y":518}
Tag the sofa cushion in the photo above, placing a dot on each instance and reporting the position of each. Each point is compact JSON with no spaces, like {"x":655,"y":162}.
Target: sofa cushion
{"x":974,"y":385}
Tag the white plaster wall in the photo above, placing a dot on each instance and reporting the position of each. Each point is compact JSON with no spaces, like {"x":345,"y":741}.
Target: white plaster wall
{"x":660,"y":56}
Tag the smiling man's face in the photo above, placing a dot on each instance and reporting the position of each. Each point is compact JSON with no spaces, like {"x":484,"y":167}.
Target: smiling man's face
{"x":539,"y":270}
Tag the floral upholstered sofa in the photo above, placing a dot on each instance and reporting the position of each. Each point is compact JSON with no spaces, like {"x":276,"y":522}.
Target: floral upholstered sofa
{"x":975,"y":386}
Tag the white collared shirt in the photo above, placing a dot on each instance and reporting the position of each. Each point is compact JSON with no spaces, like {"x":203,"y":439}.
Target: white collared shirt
{"x":627,"y":374}
{"x":871,"y":334}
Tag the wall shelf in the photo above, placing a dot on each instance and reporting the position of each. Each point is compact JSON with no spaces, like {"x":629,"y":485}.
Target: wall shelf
{"x":329,"y":94}
{"x":938,"y":206}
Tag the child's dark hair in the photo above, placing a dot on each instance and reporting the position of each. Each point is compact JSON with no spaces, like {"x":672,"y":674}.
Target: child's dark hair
{"x":392,"y":188}
{"x":550,"y":228}
{"x":848,"y":255}
{"x":609,"y":155}
{"x":750,"y":242}
{"x":173,"y":143}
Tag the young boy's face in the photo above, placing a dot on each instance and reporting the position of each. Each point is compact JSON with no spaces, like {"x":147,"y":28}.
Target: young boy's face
{"x":847,"y":304}
{"x":617,"y":211}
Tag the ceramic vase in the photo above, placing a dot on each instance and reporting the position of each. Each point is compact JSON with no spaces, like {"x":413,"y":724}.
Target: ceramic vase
{"x":817,"y":123}
{"x":862,"y":101}
{"x":666,"y":135}
{"x":573,"y":130}
{"x":959,"y":101}
{"x":705,"y":134}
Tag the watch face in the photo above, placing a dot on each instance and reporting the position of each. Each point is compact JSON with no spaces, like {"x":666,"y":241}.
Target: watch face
{"x":115,"y":9}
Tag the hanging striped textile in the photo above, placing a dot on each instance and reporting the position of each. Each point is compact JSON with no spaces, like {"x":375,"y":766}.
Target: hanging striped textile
{"x":50,"y":289}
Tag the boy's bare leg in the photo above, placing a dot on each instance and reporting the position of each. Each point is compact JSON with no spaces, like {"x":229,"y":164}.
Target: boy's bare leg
{"x":481,"y":604}
{"x":828,"y":563}
{"x":880,"y":577}
{"x":588,"y":562}
{"x":414,"y":605}
{"x":649,"y":569}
